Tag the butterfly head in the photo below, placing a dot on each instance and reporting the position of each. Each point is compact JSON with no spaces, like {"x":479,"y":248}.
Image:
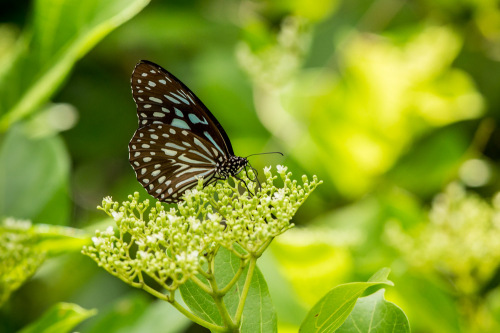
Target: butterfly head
{"x":232,"y":166}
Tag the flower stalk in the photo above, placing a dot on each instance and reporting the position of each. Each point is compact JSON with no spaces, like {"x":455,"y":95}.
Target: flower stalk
{"x":172,"y":246}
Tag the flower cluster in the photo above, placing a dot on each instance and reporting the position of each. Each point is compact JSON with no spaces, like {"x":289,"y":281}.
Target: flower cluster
{"x":460,"y":240}
{"x":173,"y":245}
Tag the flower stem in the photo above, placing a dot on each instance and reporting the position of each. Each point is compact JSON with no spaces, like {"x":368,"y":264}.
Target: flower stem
{"x":200,"y":284}
{"x":246,"y":288}
{"x":264,"y":246}
{"x":219,"y":302}
{"x":243,"y":264}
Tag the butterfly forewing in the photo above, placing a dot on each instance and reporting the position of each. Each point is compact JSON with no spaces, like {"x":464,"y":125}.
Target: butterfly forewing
{"x":161,"y":98}
{"x":169,"y":160}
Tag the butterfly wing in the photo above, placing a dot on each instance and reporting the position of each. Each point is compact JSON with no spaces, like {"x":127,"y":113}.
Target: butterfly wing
{"x":169,"y":160}
{"x":163,"y":99}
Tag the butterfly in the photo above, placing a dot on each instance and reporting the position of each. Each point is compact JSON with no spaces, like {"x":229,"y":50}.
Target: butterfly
{"x":178,"y":140}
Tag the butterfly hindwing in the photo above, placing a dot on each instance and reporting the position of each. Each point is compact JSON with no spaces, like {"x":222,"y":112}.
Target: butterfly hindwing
{"x":162,"y":98}
{"x":169,"y":160}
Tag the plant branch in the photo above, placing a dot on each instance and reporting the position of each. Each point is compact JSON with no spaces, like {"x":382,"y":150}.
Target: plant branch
{"x":219,"y":302}
{"x":243,"y":264}
{"x":246,"y":288}
{"x":202,"y":285}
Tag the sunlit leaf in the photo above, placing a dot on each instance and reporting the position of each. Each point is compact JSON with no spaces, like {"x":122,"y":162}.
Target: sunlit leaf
{"x":334,"y":308}
{"x":374,"y":314}
{"x":61,"y":318}
{"x":60,"y":33}
{"x":24,"y":247}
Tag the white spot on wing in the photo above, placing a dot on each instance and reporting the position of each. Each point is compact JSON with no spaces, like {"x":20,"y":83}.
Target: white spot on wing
{"x":184,"y":158}
{"x":195,"y":120}
{"x":173,"y":145}
{"x":183,"y":100}
{"x":179,"y":113}
{"x":213,"y":141}
{"x":189,"y":96}
{"x":200,"y":144}
{"x":193,"y":178}
{"x":180,"y":123}
{"x":211,"y":161}
{"x":154,"y":99}
{"x":171,"y":99}
{"x":169,"y":152}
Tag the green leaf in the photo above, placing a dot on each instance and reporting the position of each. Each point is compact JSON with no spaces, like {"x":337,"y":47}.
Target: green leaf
{"x":33,"y":171}
{"x":19,"y":255}
{"x":334,"y":308}
{"x":60,"y":318}
{"x":200,"y":302}
{"x":374,"y":314}
{"x":61,"y":32}
{"x":258,"y":315}
{"x":24,"y":247}
{"x":136,"y":313}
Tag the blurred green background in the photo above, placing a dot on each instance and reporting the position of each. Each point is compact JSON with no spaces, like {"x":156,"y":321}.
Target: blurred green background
{"x":393,"y":104}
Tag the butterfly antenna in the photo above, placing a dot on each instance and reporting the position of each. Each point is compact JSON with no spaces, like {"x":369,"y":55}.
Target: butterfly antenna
{"x":271,"y":152}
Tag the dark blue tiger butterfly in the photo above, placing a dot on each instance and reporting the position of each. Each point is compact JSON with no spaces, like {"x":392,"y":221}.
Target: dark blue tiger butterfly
{"x":178,"y":140}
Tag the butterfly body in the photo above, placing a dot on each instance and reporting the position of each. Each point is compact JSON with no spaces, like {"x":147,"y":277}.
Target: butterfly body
{"x":231,"y":167}
{"x":178,"y":140}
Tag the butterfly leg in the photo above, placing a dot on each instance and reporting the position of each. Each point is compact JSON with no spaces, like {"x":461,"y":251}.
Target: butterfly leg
{"x":256,"y":179}
{"x":244,"y":182}
{"x":211,"y":181}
